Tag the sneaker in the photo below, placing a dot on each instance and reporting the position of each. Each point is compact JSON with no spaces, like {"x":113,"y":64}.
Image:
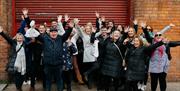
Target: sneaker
{"x":25,"y":83}
{"x":139,"y":85}
{"x":28,"y":82}
{"x":143,"y":88}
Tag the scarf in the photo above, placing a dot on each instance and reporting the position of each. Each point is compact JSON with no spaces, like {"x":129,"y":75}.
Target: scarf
{"x":20,"y":63}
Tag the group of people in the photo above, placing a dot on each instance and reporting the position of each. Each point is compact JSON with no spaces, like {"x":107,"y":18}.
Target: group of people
{"x":118,"y":58}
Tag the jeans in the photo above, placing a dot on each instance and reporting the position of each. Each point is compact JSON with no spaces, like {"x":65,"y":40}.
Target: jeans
{"x":56,"y":72}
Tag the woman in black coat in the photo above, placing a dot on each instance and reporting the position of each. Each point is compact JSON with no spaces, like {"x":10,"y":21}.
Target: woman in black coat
{"x":135,"y":61}
{"x":112,"y":62}
{"x":17,"y":65}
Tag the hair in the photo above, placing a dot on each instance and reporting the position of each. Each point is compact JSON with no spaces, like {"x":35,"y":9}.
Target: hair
{"x":151,"y":28}
{"x":140,"y":40}
{"x":19,"y":34}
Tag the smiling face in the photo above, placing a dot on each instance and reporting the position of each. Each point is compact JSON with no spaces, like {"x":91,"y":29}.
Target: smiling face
{"x":110,"y":24}
{"x":54,"y":24}
{"x":120,"y":28}
{"x":131,"y":32}
{"x":88,"y":30}
{"x":104,"y":32}
{"x":115,"y":35}
{"x":158,"y":37}
{"x":42,"y":29}
{"x":19,"y":37}
{"x":136,"y":42}
{"x":53,"y":34}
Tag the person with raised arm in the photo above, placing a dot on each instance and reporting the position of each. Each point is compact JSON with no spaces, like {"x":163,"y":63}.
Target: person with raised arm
{"x":17,"y":62}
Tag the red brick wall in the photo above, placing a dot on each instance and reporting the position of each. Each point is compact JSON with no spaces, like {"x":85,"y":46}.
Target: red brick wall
{"x":159,"y":13}
{"x":5,"y":21}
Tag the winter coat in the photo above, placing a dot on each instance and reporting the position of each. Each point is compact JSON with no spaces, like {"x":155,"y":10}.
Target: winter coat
{"x":136,"y":61}
{"x":68,"y":51}
{"x":13,"y":52}
{"x":111,"y":64}
{"x":53,"y":48}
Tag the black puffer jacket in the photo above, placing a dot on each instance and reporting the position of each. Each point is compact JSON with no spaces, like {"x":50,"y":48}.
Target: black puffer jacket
{"x":112,"y":61}
{"x":136,"y":59}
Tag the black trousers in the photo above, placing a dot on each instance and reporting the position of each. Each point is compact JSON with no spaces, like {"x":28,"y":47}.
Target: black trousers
{"x":161,"y":77}
{"x":109,"y":83}
{"x":131,"y":86}
{"x":89,"y":69}
{"x":67,"y":79}
{"x":19,"y":79}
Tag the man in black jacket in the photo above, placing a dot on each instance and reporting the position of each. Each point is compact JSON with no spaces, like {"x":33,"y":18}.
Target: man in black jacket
{"x":52,"y":51}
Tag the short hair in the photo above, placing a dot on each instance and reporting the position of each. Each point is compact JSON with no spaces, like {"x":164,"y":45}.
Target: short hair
{"x":18,"y":34}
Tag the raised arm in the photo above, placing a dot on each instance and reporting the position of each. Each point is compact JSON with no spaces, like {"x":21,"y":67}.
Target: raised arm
{"x":165,"y":29}
{"x":135,"y":22}
{"x":23,"y":25}
{"x":146,"y":33}
{"x":60,"y":28}
{"x":78,"y":28}
{"x":6,"y":37}
{"x":67,"y":32}
{"x":27,"y":19}
{"x":66,"y":19}
{"x":174,"y":43}
{"x":152,"y":47}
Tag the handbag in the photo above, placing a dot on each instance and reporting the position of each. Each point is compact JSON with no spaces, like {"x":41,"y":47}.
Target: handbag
{"x":10,"y":65}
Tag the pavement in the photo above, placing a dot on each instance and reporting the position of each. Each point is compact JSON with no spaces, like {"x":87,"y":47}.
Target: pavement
{"x":171,"y":86}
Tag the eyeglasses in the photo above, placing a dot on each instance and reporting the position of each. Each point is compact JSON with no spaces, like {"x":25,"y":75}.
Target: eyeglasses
{"x":158,"y":35}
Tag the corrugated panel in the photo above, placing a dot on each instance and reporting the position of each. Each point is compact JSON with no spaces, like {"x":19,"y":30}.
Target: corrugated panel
{"x":45,"y":10}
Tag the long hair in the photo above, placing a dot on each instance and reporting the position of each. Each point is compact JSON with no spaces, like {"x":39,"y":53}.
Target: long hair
{"x":140,"y":40}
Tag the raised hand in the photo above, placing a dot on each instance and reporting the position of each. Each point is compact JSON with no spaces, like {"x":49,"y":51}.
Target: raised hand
{"x":59,"y":18}
{"x":125,"y":41}
{"x":71,"y":24}
{"x":126,"y":29}
{"x":143,"y":24}
{"x":22,"y":17}
{"x":171,"y":24}
{"x":76,"y":21}
{"x":1,"y":29}
{"x":93,"y":29}
{"x":97,"y":14}
{"x":25,"y":12}
{"x":66,"y":17}
{"x":103,"y":19}
{"x":135,"y":22}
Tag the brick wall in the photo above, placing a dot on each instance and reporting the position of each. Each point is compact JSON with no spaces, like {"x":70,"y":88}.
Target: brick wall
{"x":159,"y":13}
{"x":5,"y":21}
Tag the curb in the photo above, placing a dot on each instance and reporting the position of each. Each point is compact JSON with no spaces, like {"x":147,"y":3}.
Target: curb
{"x":3,"y":86}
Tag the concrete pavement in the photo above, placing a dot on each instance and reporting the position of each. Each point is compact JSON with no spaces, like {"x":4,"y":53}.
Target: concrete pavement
{"x":171,"y":86}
